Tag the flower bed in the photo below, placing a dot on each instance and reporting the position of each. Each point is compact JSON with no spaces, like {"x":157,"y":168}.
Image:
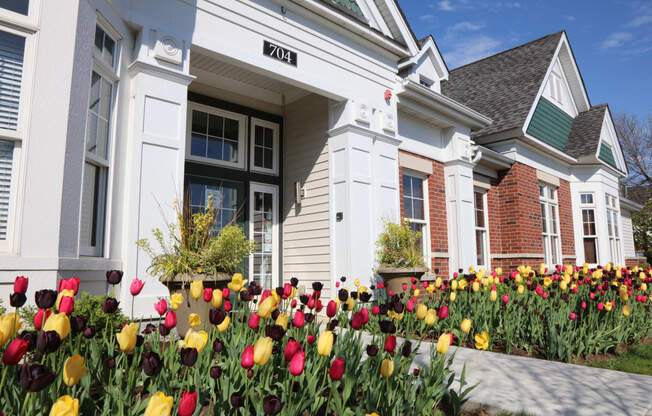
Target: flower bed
{"x":262,"y":352}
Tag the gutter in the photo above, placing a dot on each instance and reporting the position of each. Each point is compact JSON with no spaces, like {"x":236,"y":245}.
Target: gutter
{"x":491,"y":157}
{"x":443,"y":104}
{"x":629,"y":204}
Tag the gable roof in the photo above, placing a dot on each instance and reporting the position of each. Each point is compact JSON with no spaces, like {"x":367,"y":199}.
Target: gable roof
{"x":349,"y":7}
{"x":584,"y":136}
{"x":504,"y":86}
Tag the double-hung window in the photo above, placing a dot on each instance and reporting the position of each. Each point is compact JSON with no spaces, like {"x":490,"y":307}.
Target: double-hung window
{"x":587,"y":206}
{"x":481,"y":228}
{"x":550,"y":224}
{"x":216,"y":136}
{"x":415,"y":208}
{"x":613,"y":228}
{"x":264,"y":146}
{"x":98,"y":143}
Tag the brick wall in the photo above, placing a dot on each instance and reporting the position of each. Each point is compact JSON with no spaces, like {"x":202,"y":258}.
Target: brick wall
{"x":437,"y":209}
{"x":566,"y":222}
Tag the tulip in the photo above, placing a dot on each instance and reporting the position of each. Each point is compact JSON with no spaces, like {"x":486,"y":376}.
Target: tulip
{"x":216,"y":299}
{"x":608,"y":306}
{"x":299,"y":319}
{"x":65,"y":406}
{"x":422,"y":309}
{"x":453,"y":296}
{"x":297,"y":363}
{"x":282,"y":320}
{"x":110,"y":305}
{"x":390,"y":343}
{"x":291,"y":348}
{"x":215,"y":372}
{"x":15,"y":351}
{"x":17,"y":300}
{"x":337,"y":369}
{"x":188,"y":404}
{"x":194,"y":320}
{"x":247,"y":360}
{"x":196,"y":289}
{"x":236,"y":283}
{"x":20,"y":284}
{"x":40,"y":317}
{"x":227,"y":305}
{"x":225,"y":324}
{"x":600,"y":306}
{"x":482,"y":341}
{"x":159,"y":405}
{"x":152,"y":363}
{"x":375,"y":310}
{"x":189,"y":356}
{"x":67,"y":304}
{"x":127,"y":337}
{"x":45,"y":298}
{"x":572,"y":316}
{"x":161,"y":307}
{"x":58,"y":322}
{"x":387,"y":368}
{"x":263,"y":350}
{"x":466,"y":325}
{"x":325,"y":343}
{"x":73,"y":370}
{"x":310,"y":339}
{"x":170,"y":319}
{"x":431,"y":317}
{"x":521,"y":289}
{"x":583,"y":305}
{"x":175,"y":300}
{"x":254,"y":320}
{"x":47,"y":341}
{"x":493,"y":296}
{"x":208,"y":294}
{"x":69,"y":284}
{"x":113,"y":277}
{"x":443,"y":342}
{"x":272,"y":405}
{"x":443,"y":312}
{"x":196,"y":340}
{"x":35,"y":377}
{"x":136,"y":286}
{"x":626,"y":310}
{"x":266,"y":307}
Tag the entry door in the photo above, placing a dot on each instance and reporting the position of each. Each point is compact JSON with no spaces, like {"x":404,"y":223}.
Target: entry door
{"x":263,"y":229}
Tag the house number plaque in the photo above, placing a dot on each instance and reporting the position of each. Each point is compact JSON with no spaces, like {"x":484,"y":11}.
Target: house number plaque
{"x":279,"y":53}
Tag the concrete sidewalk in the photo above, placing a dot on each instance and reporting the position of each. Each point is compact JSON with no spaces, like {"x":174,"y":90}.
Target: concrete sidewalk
{"x":540,"y":387}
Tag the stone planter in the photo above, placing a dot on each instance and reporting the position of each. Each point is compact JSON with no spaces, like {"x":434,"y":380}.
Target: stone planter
{"x":394,"y":277}
{"x":181,"y":283}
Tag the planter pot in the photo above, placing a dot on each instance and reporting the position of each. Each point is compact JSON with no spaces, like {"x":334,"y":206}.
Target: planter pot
{"x":394,"y":277}
{"x":181,"y":283}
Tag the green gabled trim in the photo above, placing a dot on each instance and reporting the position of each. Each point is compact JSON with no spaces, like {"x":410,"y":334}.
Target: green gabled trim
{"x":550,"y":124}
{"x":350,"y":6}
{"x":606,"y":155}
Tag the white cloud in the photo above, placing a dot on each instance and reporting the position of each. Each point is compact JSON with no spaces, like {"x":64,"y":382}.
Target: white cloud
{"x":446,"y":6}
{"x":466,"y":27}
{"x":569,"y":17}
{"x":640,"y":21}
{"x":427,"y":17}
{"x":472,"y":49}
{"x":616,"y":39}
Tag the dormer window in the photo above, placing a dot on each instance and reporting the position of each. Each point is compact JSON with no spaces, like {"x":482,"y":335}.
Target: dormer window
{"x":425,"y":81}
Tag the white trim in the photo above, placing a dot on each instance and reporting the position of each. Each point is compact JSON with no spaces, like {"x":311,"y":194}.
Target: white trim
{"x":485,"y":230}
{"x":26,"y":23}
{"x":426,"y":211}
{"x":273,"y":189}
{"x":275,"y":146}
{"x":550,"y":205}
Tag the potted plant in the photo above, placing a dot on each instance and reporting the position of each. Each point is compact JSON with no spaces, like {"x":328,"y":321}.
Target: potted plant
{"x":193,"y":250}
{"x":400,"y":256}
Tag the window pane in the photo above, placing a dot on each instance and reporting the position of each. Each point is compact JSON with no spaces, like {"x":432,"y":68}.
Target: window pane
{"x":417,"y":187}
{"x":105,"y":100}
{"x":99,"y":39}
{"x":6,"y":167}
{"x":102,"y":138}
{"x":215,"y":126}
{"x":198,"y":145}
{"x":269,"y":138}
{"x":544,"y":220}
{"x":16,"y":6}
{"x":616,"y":233}
{"x":214,"y":149}
{"x":479,"y":244}
{"x":91,"y":132}
{"x":230,"y":151}
{"x":407,"y":207}
{"x":587,"y":198}
{"x":231,"y":128}
{"x":407,"y":185}
{"x":258,"y":156}
{"x":199,"y":122}
{"x":94,"y":99}
{"x":109,"y":50}
{"x":417,"y":207}
{"x":554,"y":241}
{"x":542,"y":190}
{"x":259,"y":136}
{"x":226,"y":197}
{"x":590,"y":255}
{"x":269,"y":159}
{"x":12,"y":50}
{"x":553,"y":219}
{"x":93,"y":208}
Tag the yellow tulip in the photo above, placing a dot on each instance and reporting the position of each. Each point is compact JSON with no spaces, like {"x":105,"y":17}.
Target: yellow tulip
{"x":194,"y":320}
{"x":236,"y":283}
{"x":482,"y":341}
{"x":453,"y":296}
{"x":266,"y":307}
{"x":438,"y":282}
{"x":619,"y":273}
{"x":431,"y":317}
{"x":493,"y":296}
{"x":547,"y":281}
{"x":282,"y":320}
{"x":471,"y":269}
{"x":585,"y":268}
{"x":454,"y":285}
{"x":387,"y":368}
{"x":159,"y":405}
{"x":225,"y":324}
{"x":9,"y":326}
{"x":443,"y":343}
{"x":73,"y":370}
{"x":463,"y":284}
{"x":325,"y":343}
{"x":127,"y":337}
{"x":563,"y":285}
{"x":466,"y":325}
{"x":356,"y":282}
{"x":58,"y":322}
{"x":644,"y":287}
{"x":518,"y":278}
{"x":371,"y":414}
{"x":65,"y":406}
{"x":197,"y":289}
{"x":476,"y":286}
{"x":499,"y":271}
{"x":608,"y":267}
{"x":350,"y":303}
{"x":263,"y":350}
{"x":421,"y":311}
{"x":520,"y":289}
{"x":216,"y":300}
{"x":626,"y":310}
{"x":196,"y":340}
{"x":65,"y":292}
{"x":608,"y":306}
{"x":416,"y":292}
{"x":542,"y":269}
{"x":624,"y":296}
{"x":431,"y":288}
{"x":175,"y":300}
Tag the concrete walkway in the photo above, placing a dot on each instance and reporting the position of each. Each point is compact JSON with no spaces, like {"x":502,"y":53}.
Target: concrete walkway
{"x":540,"y":387}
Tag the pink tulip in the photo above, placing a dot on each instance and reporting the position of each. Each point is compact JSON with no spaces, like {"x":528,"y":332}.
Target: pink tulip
{"x":545,"y":295}
{"x":311,"y":339}
{"x":69,"y":284}
{"x":170,"y":319}
{"x":583,"y":305}
{"x":297,"y":363}
{"x":299,"y":319}
{"x":375,"y":310}
{"x":409,"y":306}
{"x":331,"y":309}
{"x":287,"y":290}
{"x":505,"y":298}
{"x":254,"y":320}
{"x":227,"y":305}
{"x":291,"y":348}
{"x":293,"y":304}
{"x":161,"y":307}
{"x":20,"y":284}
{"x":136,"y":286}
{"x":443,"y":312}
{"x":247,"y":360}
{"x":40,"y":317}
{"x":67,"y":304}
{"x":600,"y":306}
{"x":226,"y":293}
{"x":208,"y":294}
{"x":573,"y":316}
{"x":404,"y":286}
{"x":365,"y":315}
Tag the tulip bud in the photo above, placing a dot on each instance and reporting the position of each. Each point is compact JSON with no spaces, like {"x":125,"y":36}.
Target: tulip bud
{"x":136,"y":286}
{"x":272,"y":405}
{"x":216,"y":316}
{"x":337,"y":369}
{"x":20,"y":284}
{"x":247,"y":360}
{"x":170,"y":319}
{"x":110,"y":305}
{"x":406,"y":350}
{"x":188,"y":404}
{"x":215,"y":372}
{"x":325,"y":343}
{"x":17,"y":300}
{"x":297,"y":363}
{"x":189,"y":356}
{"x":35,"y":377}
{"x":387,"y":368}
{"x":15,"y":351}
{"x":113,"y":277}
{"x":310,"y":338}
{"x":372,"y":350}
{"x":45,"y":298}
{"x":254,"y":320}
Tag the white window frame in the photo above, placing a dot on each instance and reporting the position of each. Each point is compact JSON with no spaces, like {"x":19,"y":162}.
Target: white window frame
{"x":550,"y":205}
{"x":26,"y":26}
{"x":272,"y":189}
{"x":111,"y":75}
{"x":484,"y":230}
{"x":275,"y":150}
{"x":242,"y":136}
{"x":614,"y":229}
{"x":591,"y":206}
{"x":425,"y":223}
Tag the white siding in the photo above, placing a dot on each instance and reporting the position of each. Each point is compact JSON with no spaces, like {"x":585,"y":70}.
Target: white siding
{"x":306,"y":232}
{"x":628,"y":234}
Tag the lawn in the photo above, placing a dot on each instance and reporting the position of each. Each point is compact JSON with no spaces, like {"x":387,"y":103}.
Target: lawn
{"x":637,"y":359}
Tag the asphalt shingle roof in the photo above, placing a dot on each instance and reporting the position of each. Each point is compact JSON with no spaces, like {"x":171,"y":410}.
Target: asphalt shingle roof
{"x":503,"y":86}
{"x":585,"y":132}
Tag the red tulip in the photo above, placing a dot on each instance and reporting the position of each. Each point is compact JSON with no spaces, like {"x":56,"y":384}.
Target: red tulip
{"x":583,"y":305}
{"x":318,"y":306}
{"x":357,"y":320}
{"x":208,"y":294}
{"x":293,"y":304}
{"x":539,"y":290}
{"x":311,"y":339}
{"x":226,"y":293}
{"x":69,"y":284}
{"x":254,"y":320}
{"x":15,"y":351}
{"x":600,"y":306}
{"x":331,"y":309}
{"x":545,"y":295}
{"x":390,"y":343}
{"x":161,"y":307}
{"x":391,"y":292}
{"x":409,"y":306}
{"x":299,"y":319}
{"x":381,"y":285}
{"x":592,"y":295}
{"x":291,"y":348}
{"x":188,"y":404}
{"x":247,"y":360}
{"x":40,"y":317}
{"x":170,"y":319}
{"x":443,"y":312}
{"x":337,"y":369}
{"x":311,"y":303}
{"x":297,"y":362}
{"x":287,"y":290}
{"x":136,"y":286}
{"x":365,"y":315}
{"x":227,"y":305}
{"x":375,"y":310}
{"x":404,"y":286}
{"x":67,"y":304}
{"x":505,"y":298}
{"x":20,"y":284}
{"x":337,"y":284}
{"x":572,"y":316}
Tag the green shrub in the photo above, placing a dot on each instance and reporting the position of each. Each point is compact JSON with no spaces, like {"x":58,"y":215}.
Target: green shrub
{"x":226,"y":251}
{"x":398,"y":246}
{"x":91,"y":307}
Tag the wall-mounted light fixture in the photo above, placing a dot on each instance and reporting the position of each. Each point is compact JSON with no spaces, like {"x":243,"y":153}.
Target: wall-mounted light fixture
{"x":299,"y":193}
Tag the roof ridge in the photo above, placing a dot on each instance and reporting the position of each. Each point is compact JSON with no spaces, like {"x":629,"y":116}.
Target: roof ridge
{"x":510,"y":49}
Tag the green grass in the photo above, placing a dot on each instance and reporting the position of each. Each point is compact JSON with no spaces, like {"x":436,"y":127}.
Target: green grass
{"x":637,"y":360}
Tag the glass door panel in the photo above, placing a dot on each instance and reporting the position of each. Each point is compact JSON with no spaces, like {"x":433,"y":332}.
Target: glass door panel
{"x":263,"y":226}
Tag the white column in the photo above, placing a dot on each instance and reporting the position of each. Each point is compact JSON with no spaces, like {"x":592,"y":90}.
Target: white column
{"x":364,"y":185}
{"x":155,"y":155}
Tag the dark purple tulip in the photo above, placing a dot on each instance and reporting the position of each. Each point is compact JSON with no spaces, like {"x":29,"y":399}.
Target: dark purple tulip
{"x":365,"y":296}
{"x":110,"y":363}
{"x":47,"y":341}
{"x":215,"y":372}
{"x":309,"y":317}
{"x":113,"y":277}
{"x":275,"y":314}
{"x":152,"y":363}
{"x":189,"y":356}
{"x":387,"y":327}
{"x":163,"y":330}
{"x":218,"y":346}
{"x":216,"y":316}
{"x":89,"y":332}
{"x":16,"y":300}
{"x":294,"y":282}
{"x":272,"y":405}
{"x":149,"y":328}
{"x":343,"y":295}
{"x":110,"y":305}
{"x":45,"y":298}
{"x":237,"y":400}
{"x":407,"y":349}
{"x":78,"y":323}
{"x":372,"y":350}
{"x":30,"y":337}
{"x":35,"y":377}
{"x":275,"y":332}
{"x":317,"y":286}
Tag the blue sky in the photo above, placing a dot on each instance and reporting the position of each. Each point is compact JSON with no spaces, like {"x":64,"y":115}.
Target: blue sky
{"x":611,"y":39}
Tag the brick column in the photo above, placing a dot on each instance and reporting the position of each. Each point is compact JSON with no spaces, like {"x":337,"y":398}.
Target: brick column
{"x":566,"y":223}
